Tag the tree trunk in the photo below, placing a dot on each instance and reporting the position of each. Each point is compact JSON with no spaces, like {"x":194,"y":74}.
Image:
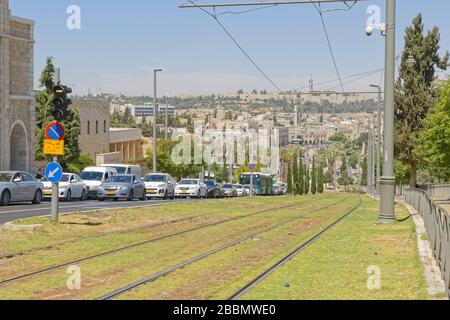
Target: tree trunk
{"x":413,"y":178}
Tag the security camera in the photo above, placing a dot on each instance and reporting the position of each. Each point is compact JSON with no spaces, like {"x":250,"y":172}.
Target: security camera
{"x":369,"y":30}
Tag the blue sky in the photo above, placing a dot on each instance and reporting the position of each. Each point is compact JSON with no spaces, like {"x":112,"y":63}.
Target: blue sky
{"x":121,"y":41}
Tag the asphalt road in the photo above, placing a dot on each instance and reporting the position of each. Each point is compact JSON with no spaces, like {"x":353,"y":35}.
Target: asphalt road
{"x":20,"y":211}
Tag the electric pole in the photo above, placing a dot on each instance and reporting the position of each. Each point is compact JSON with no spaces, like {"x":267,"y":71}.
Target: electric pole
{"x":155,"y":114}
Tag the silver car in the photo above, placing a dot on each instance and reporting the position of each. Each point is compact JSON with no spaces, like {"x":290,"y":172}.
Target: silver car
{"x":17,"y":186}
{"x":122,"y":186}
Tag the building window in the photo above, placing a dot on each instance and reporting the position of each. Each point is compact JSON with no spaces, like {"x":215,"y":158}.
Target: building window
{"x":96,"y":127}
{"x":88,"y":127}
{"x":104,"y":126}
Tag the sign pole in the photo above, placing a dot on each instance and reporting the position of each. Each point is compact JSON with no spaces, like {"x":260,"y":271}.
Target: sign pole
{"x":251,"y":184}
{"x":55,"y":197}
{"x":55,"y":185}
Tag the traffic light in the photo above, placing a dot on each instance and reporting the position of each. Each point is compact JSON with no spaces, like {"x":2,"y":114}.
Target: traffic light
{"x":61,"y":103}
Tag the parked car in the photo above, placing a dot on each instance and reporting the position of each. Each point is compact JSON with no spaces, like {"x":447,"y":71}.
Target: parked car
{"x":159,"y":185}
{"x":239,"y":190}
{"x":191,"y":188}
{"x":214,"y":189}
{"x":70,"y":187}
{"x":125,"y":168}
{"x":17,"y":186}
{"x":122,"y":186}
{"x":229,"y":190}
{"x":94,"y":177}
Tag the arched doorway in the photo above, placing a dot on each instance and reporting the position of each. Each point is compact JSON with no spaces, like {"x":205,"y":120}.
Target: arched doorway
{"x":19,"y":150}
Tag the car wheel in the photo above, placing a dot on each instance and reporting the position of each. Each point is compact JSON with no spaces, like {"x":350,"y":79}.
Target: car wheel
{"x":83,"y":195}
{"x":69,"y":196}
{"x":166,"y":195}
{"x":131,"y":195}
{"x":101,"y":199}
{"x":116,"y":199}
{"x":37,"y":197}
{"x":5,"y":199}
{"x":144,"y":196}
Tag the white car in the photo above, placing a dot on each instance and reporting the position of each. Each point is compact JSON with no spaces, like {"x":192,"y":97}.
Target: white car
{"x":191,"y":188}
{"x":240,"y":190}
{"x":94,"y":177}
{"x":70,"y":187}
{"x":159,"y":185}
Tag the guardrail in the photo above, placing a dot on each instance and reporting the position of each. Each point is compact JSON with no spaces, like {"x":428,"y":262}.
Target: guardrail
{"x":437,"y":224}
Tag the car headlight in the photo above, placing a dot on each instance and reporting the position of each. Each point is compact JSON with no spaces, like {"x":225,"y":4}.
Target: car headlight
{"x":123,"y":188}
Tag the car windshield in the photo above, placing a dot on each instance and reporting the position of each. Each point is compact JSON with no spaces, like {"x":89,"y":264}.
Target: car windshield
{"x":189,"y":182}
{"x":155,"y":178}
{"x":91,"y":176}
{"x":238,"y":187}
{"x":228,"y":186}
{"x":210,"y":184}
{"x":120,"y":170}
{"x":5,"y":177}
{"x":119,"y":179}
{"x":65,"y":178}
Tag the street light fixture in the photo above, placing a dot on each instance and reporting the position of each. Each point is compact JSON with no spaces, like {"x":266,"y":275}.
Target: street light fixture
{"x":155,"y":113}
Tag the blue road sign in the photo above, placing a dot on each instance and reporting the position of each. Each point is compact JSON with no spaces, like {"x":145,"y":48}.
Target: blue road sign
{"x":252,"y":167}
{"x":54,"y":172}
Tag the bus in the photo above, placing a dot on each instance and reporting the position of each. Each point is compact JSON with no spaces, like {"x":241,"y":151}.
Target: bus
{"x":262,"y":183}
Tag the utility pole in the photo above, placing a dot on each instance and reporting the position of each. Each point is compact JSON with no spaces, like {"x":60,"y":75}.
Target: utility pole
{"x":155,"y":114}
{"x":167,"y":119}
{"x":387,"y":181}
{"x":374,"y":181}
{"x":369,"y":161}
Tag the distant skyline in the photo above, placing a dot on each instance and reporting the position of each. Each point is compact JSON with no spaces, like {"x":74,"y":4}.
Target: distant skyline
{"x":120,"y":42}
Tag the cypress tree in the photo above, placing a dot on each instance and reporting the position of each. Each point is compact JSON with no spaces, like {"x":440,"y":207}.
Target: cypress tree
{"x":320,"y":181}
{"x":289,"y":179}
{"x":415,"y":90}
{"x":307,"y":184}
{"x":295,"y":175}
{"x":314,"y":178}
{"x":301,"y":177}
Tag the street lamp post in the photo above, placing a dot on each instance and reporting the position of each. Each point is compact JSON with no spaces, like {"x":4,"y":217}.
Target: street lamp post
{"x":387,"y":181}
{"x":378,"y":138}
{"x":155,"y":114}
{"x":374,"y":181}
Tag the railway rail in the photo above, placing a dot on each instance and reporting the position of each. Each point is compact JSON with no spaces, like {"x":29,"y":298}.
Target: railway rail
{"x":209,"y":253}
{"x":153,"y":240}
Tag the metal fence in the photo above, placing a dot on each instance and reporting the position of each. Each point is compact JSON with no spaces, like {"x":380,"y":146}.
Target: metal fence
{"x":437,"y":224}
{"x":439,"y":191}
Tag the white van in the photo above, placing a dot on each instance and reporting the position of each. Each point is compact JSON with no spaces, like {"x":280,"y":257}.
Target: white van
{"x":94,"y":177}
{"x":125,"y":169}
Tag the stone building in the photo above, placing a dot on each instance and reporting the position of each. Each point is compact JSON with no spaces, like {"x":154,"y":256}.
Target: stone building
{"x":17,"y":114}
{"x":94,"y":126}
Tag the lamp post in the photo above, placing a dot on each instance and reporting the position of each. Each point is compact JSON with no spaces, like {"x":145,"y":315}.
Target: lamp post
{"x":155,"y":114}
{"x":387,"y":181}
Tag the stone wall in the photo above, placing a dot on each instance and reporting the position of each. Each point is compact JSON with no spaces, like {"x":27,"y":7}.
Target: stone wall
{"x":94,"y":120}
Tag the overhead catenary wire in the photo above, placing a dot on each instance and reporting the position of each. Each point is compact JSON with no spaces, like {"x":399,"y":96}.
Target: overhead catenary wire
{"x":261,"y":71}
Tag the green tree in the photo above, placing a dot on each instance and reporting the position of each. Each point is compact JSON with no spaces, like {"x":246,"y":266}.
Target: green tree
{"x":307,"y":179}
{"x":301,"y":176}
{"x":415,"y":91}
{"x":320,"y":177}
{"x":289,"y":179}
{"x":314,"y":178}
{"x":295,"y":175}
{"x":434,"y":140}
{"x":44,"y":116}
